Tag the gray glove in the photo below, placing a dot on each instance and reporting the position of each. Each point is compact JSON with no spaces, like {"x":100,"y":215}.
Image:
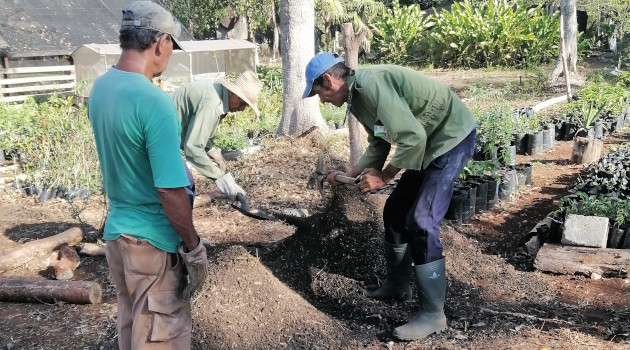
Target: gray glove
{"x":228,"y":186}
{"x":215,"y":154}
{"x":196,"y":263}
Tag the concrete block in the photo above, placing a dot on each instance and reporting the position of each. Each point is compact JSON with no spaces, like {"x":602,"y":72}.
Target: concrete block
{"x":586,"y":231}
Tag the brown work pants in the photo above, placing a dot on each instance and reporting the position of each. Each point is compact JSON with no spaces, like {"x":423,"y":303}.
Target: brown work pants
{"x":149,"y":283}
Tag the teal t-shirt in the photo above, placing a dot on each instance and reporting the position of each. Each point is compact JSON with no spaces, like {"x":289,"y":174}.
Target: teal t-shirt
{"x":137,"y":130}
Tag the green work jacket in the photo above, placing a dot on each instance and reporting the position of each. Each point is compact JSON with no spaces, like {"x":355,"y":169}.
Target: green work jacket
{"x":201,"y":105}
{"x":421,"y":116}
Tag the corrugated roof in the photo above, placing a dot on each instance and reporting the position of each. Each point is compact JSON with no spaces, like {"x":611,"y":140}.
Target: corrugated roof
{"x":58,"y":27}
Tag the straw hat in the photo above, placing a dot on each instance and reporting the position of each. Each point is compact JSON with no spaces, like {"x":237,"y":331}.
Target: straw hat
{"x":246,"y":86}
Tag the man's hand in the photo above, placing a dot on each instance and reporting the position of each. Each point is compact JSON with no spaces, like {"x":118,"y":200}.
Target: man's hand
{"x":331,"y":177}
{"x":228,"y":186}
{"x":371,"y":179}
{"x":196,"y":262}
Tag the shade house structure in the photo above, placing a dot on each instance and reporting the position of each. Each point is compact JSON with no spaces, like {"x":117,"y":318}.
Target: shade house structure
{"x":202,"y":59}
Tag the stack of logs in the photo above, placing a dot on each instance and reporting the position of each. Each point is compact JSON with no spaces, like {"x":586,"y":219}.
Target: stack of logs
{"x":57,"y":255}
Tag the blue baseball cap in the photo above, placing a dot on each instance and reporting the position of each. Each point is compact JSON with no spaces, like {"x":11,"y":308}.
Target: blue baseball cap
{"x":317,"y":66}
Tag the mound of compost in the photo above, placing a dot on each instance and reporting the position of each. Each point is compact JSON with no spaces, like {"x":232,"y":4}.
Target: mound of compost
{"x":243,"y":306}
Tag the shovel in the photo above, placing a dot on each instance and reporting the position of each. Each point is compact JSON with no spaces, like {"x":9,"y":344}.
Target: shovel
{"x":252,"y":213}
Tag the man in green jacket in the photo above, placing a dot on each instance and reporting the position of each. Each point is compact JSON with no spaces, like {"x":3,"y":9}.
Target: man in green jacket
{"x":201,"y":106}
{"x":434,"y":135}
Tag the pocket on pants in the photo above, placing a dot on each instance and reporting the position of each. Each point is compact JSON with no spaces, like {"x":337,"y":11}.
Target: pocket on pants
{"x":171,"y":317}
{"x":141,"y":258}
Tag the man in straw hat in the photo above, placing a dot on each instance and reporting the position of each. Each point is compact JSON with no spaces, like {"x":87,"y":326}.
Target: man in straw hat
{"x":202,"y":105}
{"x":149,"y":230}
{"x":434,"y":134}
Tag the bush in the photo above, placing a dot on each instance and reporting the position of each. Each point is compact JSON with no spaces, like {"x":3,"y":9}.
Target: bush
{"x":495,"y":129}
{"x":398,"y":35}
{"x":504,"y":33}
{"x":52,"y":142}
{"x":240,"y":130}
{"x":613,"y":96}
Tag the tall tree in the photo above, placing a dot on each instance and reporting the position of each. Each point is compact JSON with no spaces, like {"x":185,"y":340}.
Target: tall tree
{"x":360,"y":14}
{"x":569,"y":39}
{"x":351,"y":44}
{"x":297,"y":20}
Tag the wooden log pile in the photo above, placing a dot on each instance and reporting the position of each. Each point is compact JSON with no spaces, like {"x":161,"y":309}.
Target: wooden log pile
{"x":60,"y":259}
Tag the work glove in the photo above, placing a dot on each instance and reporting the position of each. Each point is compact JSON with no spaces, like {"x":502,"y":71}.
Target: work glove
{"x":228,"y":186}
{"x":196,"y":263}
{"x":215,"y":154}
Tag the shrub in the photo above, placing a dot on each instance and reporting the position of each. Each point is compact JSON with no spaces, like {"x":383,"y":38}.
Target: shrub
{"x":398,"y":35}
{"x":237,"y":130}
{"x":495,"y":128}
{"x":52,"y":142}
{"x":504,"y":33}
{"x":613,"y":96}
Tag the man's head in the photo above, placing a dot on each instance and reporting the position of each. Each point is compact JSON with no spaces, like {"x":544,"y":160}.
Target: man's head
{"x":244,"y":90}
{"x":145,"y":23}
{"x":326,"y":76}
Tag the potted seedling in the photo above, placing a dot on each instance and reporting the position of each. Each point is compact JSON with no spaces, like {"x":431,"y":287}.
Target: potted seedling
{"x":587,"y":149}
{"x":588,"y":116}
{"x":619,"y":226}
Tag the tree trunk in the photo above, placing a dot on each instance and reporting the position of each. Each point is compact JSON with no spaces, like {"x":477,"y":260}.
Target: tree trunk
{"x":297,"y":20}
{"x":45,"y":291}
{"x":351,"y":45}
{"x":275,"y":52}
{"x":565,"y":63}
{"x":569,"y":29}
{"x":39,"y":248}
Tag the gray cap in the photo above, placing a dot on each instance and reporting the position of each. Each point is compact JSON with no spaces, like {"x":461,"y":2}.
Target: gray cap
{"x":149,"y":15}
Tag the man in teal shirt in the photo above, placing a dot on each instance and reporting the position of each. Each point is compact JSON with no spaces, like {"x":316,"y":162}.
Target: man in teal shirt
{"x":434,"y":135}
{"x":149,"y":230}
{"x":201,"y":106}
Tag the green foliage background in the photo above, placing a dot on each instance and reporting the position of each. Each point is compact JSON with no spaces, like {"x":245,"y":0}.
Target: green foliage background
{"x":52,"y":141}
{"x":502,"y":33}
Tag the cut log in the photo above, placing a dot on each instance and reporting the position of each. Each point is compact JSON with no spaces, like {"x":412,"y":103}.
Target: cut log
{"x":37,"y":249}
{"x":28,"y":290}
{"x":586,"y":150}
{"x":570,"y":260}
{"x":92,"y":249}
{"x":203,"y":199}
{"x":62,"y":265}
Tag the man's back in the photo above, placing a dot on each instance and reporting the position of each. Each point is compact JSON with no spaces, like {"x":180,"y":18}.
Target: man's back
{"x":137,"y":135}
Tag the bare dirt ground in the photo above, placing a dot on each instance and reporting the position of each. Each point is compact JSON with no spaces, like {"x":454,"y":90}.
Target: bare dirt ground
{"x":297,"y":284}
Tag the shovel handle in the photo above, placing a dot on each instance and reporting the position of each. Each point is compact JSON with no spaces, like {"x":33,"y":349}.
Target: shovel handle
{"x":346,"y":179}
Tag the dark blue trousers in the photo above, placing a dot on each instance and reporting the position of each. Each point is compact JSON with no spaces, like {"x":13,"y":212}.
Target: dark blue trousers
{"x":415,"y":209}
{"x":190,"y":189}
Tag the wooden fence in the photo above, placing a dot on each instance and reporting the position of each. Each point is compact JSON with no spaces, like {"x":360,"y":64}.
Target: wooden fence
{"x":17,"y":84}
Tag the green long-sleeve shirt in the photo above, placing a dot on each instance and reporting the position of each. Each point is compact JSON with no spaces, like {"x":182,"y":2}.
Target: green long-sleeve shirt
{"x":201,"y":105}
{"x":422,"y":117}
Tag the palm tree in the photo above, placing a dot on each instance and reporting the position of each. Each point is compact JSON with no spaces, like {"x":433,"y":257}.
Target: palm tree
{"x":360,"y":13}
